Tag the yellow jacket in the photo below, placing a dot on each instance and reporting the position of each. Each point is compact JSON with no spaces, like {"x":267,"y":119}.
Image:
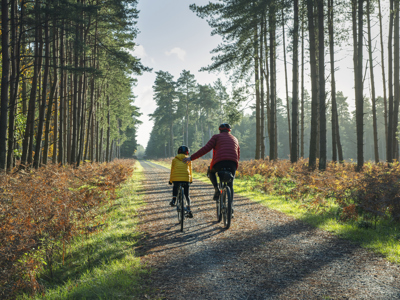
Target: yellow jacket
{"x":180,"y":171}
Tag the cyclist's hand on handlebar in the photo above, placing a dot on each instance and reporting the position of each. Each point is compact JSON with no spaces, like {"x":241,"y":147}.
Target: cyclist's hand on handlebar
{"x":186,"y":159}
{"x":169,"y":182}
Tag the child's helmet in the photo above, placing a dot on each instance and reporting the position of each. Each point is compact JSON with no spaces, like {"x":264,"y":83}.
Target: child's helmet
{"x":184,"y":150}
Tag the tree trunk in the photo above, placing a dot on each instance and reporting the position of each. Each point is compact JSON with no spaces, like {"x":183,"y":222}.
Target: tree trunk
{"x":321,"y":73}
{"x":257,"y":89}
{"x":55,"y":129}
{"x":286,"y":83}
{"x":383,"y":74}
{"x":396,"y":77}
{"x":357,"y":14}
{"x":101,"y":156}
{"x":336,"y":144}
{"x":97,"y":132}
{"x":262,"y":116}
{"x":76,"y":96}
{"x":302,"y":84}
{"x":266,"y":73}
{"x":42,"y":107}
{"x":62,"y":100}
{"x":111,"y":151}
{"x":108,"y":130}
{"x":333,"y":83}
{"x":71,"y":108}
{"x":5,"y":82}
{"x":371,"y":72}
{"x":272,"y":46}
{"x":90,"y":121}
{"x":83,"y":94}
{"x":389,"y":147}
{"x":27,"y":143}
{"x":94,"y":102}
{"x":13,"y":84}
{"x":52,"y":98}
{"x":314,"y":88}
{"x":295,"y":82}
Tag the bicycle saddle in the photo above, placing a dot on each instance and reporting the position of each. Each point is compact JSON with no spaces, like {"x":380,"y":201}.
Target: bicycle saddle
{"x":225,"y":176}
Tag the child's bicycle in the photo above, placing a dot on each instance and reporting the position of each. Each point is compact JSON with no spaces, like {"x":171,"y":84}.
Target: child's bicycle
{"x":225,"y":201}
{"x":181,"y":204}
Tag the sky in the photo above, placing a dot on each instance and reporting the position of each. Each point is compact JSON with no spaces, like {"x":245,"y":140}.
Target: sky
{"x":172,"y":38}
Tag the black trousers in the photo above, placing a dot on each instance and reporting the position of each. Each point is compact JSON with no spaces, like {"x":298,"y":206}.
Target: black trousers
{"x":185,"y":190}
{"x":224,"y":164}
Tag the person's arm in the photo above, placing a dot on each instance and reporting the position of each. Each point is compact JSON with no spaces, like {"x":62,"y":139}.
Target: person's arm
{"x":238,"y":153}
{"x":207,"y":148}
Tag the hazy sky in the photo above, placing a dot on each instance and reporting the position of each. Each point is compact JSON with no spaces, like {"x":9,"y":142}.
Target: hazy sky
{"x":172,"y":38}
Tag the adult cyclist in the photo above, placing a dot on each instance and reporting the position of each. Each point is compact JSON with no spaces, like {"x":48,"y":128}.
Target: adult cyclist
{"x":226,"y":154}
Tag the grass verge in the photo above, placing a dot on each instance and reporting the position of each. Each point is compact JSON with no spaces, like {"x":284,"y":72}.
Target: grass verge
{"x":103,"y":265}
{"x":384,"y":239}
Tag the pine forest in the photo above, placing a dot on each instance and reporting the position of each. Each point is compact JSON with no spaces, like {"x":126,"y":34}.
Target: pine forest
{"x":66,"y":81}
{"x":259,"y":35}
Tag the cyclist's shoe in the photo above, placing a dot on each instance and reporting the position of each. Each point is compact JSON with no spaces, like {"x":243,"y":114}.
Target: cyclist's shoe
{"x":216,"y":195}
{"x":189,"y":213}
{"x":172,"y":203}
{"x":232,"y":213}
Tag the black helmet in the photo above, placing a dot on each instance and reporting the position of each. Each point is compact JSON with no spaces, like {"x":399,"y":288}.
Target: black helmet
{"x":184,"y":150}
{"x":225,"y":126}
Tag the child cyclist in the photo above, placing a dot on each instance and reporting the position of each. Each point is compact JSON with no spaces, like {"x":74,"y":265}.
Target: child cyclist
{"x":181,"y":173}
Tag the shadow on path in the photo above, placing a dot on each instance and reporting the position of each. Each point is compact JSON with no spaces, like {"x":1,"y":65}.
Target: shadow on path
{"x":264,"y":255}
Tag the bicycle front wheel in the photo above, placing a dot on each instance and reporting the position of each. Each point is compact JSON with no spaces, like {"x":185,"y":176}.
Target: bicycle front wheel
{"x":227,"y":207}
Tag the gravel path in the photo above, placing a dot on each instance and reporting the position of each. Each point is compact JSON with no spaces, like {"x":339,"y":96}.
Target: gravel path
{"x":264,"y":255}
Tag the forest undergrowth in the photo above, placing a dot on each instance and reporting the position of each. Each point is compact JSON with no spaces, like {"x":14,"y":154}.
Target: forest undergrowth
{"x":43,"y":211}
{"x":363,"y":206}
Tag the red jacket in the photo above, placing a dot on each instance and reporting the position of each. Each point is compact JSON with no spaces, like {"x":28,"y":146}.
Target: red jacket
{"x":225,"y":147}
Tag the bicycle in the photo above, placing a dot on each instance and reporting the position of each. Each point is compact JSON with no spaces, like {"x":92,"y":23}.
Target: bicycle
{"x":225,"y":201}
{"x":181,"y":203}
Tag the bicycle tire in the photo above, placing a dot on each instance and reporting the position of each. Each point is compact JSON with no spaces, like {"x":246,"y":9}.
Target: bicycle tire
{"x":223,"y":205}
{"x":228,"y":207}
{"x":180,"y":207}
{"x":219,"y":208}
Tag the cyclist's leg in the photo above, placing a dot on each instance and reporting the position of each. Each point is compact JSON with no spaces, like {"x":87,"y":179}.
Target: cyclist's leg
{"x":174,"y":193}
{"x":186,"y":192}
{"x":213,"y":179}
{"x":218,"y":167}
{"x":230,"y":184}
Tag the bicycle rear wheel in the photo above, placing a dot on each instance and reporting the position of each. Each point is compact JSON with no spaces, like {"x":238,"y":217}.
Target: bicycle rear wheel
{"x":227,"y":207}
{"x":219,"y":208}
{"x":180,"y":207}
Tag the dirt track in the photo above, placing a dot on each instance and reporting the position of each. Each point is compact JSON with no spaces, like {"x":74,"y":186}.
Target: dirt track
{"x":264,"y":255}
